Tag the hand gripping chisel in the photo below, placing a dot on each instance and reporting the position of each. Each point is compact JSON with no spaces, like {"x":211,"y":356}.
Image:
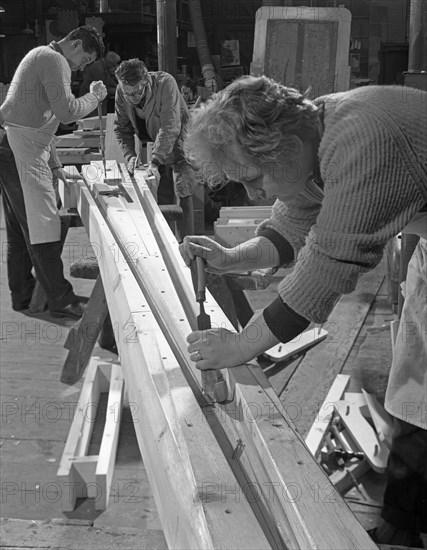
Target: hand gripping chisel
{"x":213,"y":383}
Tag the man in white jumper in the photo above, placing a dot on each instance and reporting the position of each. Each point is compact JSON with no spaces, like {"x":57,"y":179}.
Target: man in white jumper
{"x":38,"y":99}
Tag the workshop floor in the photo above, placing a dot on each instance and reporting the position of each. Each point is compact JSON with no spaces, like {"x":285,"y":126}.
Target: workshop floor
{"x":37,"y":408}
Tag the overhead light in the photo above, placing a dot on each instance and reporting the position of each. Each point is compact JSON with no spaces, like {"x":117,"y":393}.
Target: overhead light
{"x":2,"y":10}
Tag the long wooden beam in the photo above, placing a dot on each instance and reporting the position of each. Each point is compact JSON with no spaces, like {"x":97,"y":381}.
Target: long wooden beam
{"x":183,"y":460}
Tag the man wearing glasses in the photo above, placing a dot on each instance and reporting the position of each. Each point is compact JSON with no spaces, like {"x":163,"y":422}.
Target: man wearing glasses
{"x":150,"y":106}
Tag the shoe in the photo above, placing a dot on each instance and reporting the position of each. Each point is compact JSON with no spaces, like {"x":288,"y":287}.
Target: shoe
{"x":414,"y":540}
{"x":74,"y":310}
{"x":20,"y":307}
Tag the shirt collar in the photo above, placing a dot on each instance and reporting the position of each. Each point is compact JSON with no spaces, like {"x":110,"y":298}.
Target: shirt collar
{"x":55,"y":46}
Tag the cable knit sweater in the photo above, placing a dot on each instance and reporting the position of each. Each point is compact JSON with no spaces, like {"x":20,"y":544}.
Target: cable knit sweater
{"x":41,"y":86}
{"x":373,"y":162}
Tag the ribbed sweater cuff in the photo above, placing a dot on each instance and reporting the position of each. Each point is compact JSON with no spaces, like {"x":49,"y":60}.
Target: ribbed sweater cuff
{"x":284,"y":322}
{"x":285,"y":250}
{"x":305,"y":293}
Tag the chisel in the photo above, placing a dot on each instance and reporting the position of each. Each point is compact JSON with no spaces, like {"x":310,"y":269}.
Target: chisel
{"x":213,"y":383}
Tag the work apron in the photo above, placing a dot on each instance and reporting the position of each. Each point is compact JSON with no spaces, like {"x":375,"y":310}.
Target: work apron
{"x":31,"y":149}
{"x":406,"y":396}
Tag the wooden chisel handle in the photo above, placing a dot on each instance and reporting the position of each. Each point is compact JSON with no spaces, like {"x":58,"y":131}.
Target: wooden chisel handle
{"x":201,"y":279}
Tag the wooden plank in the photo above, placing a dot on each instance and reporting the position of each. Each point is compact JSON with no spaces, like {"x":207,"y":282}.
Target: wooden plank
{"x":163,"y":436}
{"x":323,"y":420}
{"x":75,"y":535}
{"x":110,"y":438}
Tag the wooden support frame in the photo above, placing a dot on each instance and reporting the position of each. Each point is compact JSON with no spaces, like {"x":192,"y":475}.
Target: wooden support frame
{"x":269,"y":455}
{"x":82,"y":475}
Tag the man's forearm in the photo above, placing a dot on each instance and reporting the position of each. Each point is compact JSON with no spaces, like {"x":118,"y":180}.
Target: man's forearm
{"x":255,"y":338}
{"x":257,"y":253}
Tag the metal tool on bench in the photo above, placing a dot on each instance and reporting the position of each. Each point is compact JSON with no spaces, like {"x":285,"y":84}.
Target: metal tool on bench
{"x":102,"y":138}
{"x":213,"y":383}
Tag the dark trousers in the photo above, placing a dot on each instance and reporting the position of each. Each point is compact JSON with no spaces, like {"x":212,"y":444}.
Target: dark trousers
{"x":405,"y":496}
{"x":21,"y":255}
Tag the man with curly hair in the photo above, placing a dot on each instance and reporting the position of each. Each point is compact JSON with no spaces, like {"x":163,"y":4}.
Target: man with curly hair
{"x":38,"y":99}
{"x":349,"y":172}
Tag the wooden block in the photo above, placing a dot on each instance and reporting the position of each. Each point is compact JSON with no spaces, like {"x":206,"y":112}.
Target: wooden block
{"x":68,"y":193}
{"x":363,"y":435}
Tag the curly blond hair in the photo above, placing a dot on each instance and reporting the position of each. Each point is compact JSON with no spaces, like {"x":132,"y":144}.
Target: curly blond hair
{"x":258,"y":114}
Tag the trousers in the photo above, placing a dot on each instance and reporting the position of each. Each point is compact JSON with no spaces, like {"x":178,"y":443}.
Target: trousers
{"x":405,"y":495}
{"x":21,"y":255}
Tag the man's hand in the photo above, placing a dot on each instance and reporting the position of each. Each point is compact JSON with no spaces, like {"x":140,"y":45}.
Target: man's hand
{"x":219,"y":259}
{"x":131,"y":166}
{"x":98,"y":89}
{"x":59,"y":174}
{"x":153,"y":170}
{"x":216,"y":348}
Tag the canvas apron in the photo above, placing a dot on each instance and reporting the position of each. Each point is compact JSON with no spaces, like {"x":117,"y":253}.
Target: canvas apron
{"x":31,"y":149}
{"x":406,"y":396}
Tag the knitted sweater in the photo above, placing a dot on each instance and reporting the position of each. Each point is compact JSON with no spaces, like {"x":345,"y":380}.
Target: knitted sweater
{"x":373,"y":162}
{"x":41,"y":87}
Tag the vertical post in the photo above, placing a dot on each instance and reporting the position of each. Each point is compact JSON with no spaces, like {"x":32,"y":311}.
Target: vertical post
{"x":166,"y":36}
{"x":417,"y":60}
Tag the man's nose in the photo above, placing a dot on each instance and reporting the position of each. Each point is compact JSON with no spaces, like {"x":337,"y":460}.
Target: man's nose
{"x":254,"y":193}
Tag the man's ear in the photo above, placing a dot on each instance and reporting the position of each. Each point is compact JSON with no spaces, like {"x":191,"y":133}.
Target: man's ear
{"x":76,"y":43}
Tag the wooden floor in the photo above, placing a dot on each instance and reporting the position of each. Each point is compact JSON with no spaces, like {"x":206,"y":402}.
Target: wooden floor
{"x":37,"y":409}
